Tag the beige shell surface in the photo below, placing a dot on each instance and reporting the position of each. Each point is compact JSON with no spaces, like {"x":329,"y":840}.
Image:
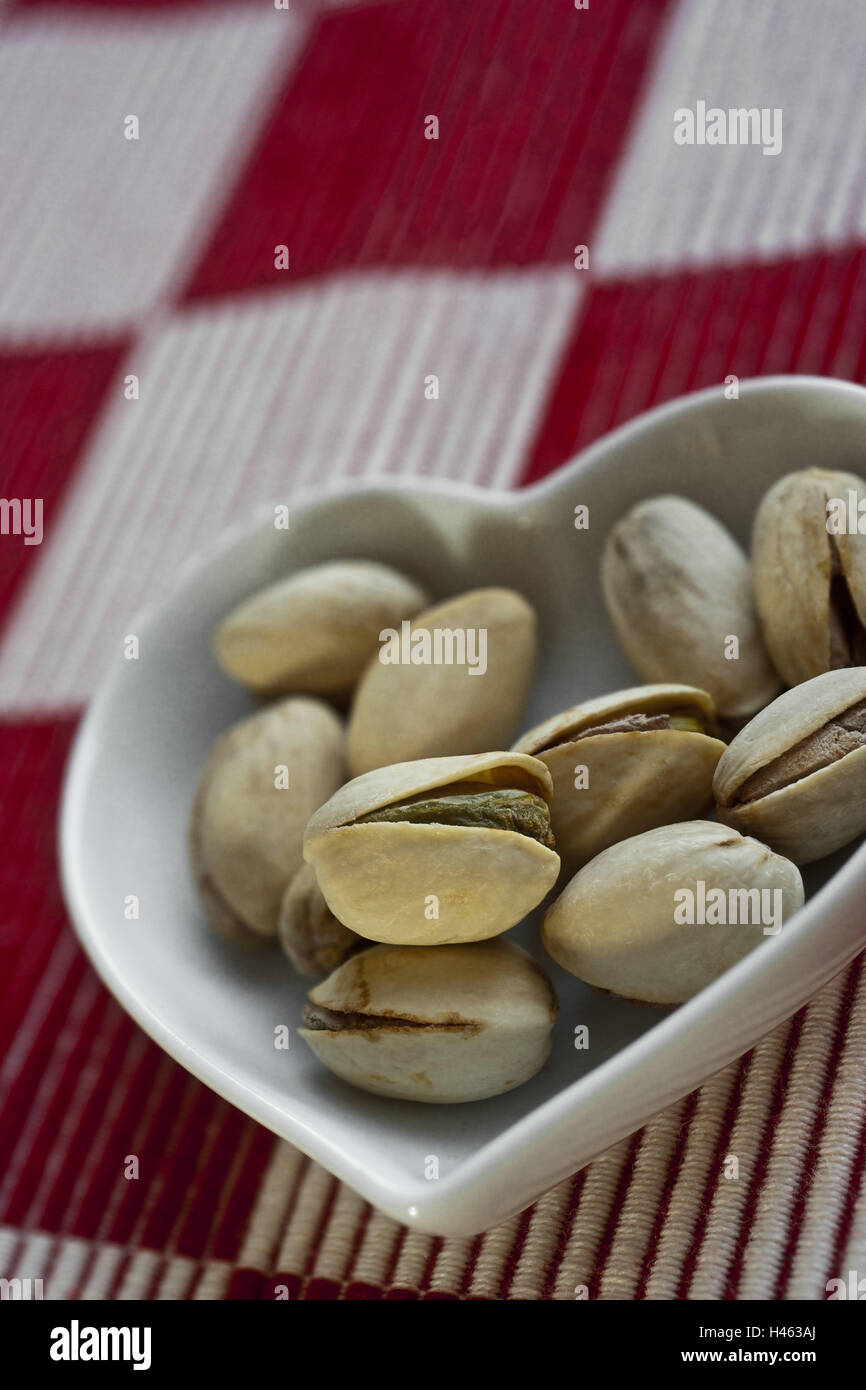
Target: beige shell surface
{"x":313,"y":940}
{"x":614,"y":925}
{"x":789,"y":719}
{"x":852,"y":550}
{"x":479,"y":1021}
{"x":792,"y":564}
{"x":245,"y":833}
{"x":405,"y":712}
{"x":429,"y":884}
{"x":636,"y":781}
{"x":677,"y":587}
{"x":629,"y":781}
{"x":315,"y":631}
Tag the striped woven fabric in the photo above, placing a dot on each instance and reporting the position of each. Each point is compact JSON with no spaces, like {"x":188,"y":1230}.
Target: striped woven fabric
{"x":154,"y":257}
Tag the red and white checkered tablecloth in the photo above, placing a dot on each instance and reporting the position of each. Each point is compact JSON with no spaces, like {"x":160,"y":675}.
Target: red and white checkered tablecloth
{"x":154,"y":258}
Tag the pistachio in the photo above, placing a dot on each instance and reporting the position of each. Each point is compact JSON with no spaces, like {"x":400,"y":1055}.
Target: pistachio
{"x":315,"y":631}
{"x":660,"y":916}
{"x":810,"y":576}
{"x":456,"y":680}
{"x":431,"y":852}
{"x":310,"y":935}
{"x":678,"y":590}
{"x":625,"y":763}
{"x":246,"y":830}
{"x":435,"y":1024}
{"x":796,"y":775}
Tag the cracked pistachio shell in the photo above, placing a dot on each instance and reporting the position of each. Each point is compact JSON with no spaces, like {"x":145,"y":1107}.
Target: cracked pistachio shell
{"x":314,"y":942}
{"x":402,"y":712}
{"x":818,"y":812}
{"x":801,"y":572}
{"x":245,"y":832}
{"x":677,"y":588}
{"x":437,"y":1024}
{"x":315,"y":631}
{"x":614,"y":926}
{"x":634,"y":780}
{"x":387,"y":880}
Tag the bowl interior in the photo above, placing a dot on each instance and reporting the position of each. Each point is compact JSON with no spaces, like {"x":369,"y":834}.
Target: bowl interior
{"x":149,"y":730}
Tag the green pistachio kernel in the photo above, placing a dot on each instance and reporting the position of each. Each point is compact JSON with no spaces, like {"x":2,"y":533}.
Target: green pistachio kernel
{"x":500,"y":808}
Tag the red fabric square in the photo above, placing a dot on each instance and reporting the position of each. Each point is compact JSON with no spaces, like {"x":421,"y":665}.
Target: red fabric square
{"x":48,"y":403}
{"x":638,"y":343}
{"x":532,"y":103}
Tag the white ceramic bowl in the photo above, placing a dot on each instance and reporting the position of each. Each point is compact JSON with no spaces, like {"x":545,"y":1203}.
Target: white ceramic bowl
{"x":141,"y":745}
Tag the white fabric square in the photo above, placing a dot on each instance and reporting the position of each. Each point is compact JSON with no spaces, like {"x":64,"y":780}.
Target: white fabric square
{"x":674,"y":206}
{"x":95,"y":228}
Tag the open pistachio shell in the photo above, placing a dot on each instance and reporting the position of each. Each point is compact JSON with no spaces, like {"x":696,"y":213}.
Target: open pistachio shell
{"x":246,"y":831}
{"x":810,"y":578}
{"x":660,"y":916}
{"x":444,"y":1024}
{"x":468,"y":697}
{"x":617,"y":770}
{"x":315,"y":631}
{"x":678,"y":588}
{"x":796,"y":775}
{"x":426,"y":883}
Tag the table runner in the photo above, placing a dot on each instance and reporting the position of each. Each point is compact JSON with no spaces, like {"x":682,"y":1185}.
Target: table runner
{"x":165,"y":365}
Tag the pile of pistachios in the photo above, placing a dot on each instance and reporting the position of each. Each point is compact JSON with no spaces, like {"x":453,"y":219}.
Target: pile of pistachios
{"x":375,"y":816}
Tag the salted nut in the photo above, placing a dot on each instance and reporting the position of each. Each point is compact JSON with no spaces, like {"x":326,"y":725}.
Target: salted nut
{"x":466,"y":698}
{"x":810,"y":573}
{"x":678,"y":589}
{"x":438,"y":851}
{"x":315,"y":631}
{"x":437,"y":1024}
{"x":625,"y":763}
{"x":657,"y":917}
{"x":796,"y":775}
{"x":310,"y":935}
{"x":246,"y":828}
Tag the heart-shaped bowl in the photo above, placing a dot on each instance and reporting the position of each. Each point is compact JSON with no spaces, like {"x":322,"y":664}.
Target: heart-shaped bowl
{"x":147,"y":732}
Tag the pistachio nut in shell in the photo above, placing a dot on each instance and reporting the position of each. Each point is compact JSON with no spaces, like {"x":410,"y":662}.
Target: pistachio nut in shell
{"x":312,"y":938}
{"x":454,"y":681}
{"x":809,"y":568}
{"x":315,"y":631}
{"x":435,"y":1024}
{"x":438,"y":851}
{"x":796,"y":775}
{"x":625,"y":763}
{"x":678,"y":588}
{"x":246,"y":831}
{"x":657,"y":917}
